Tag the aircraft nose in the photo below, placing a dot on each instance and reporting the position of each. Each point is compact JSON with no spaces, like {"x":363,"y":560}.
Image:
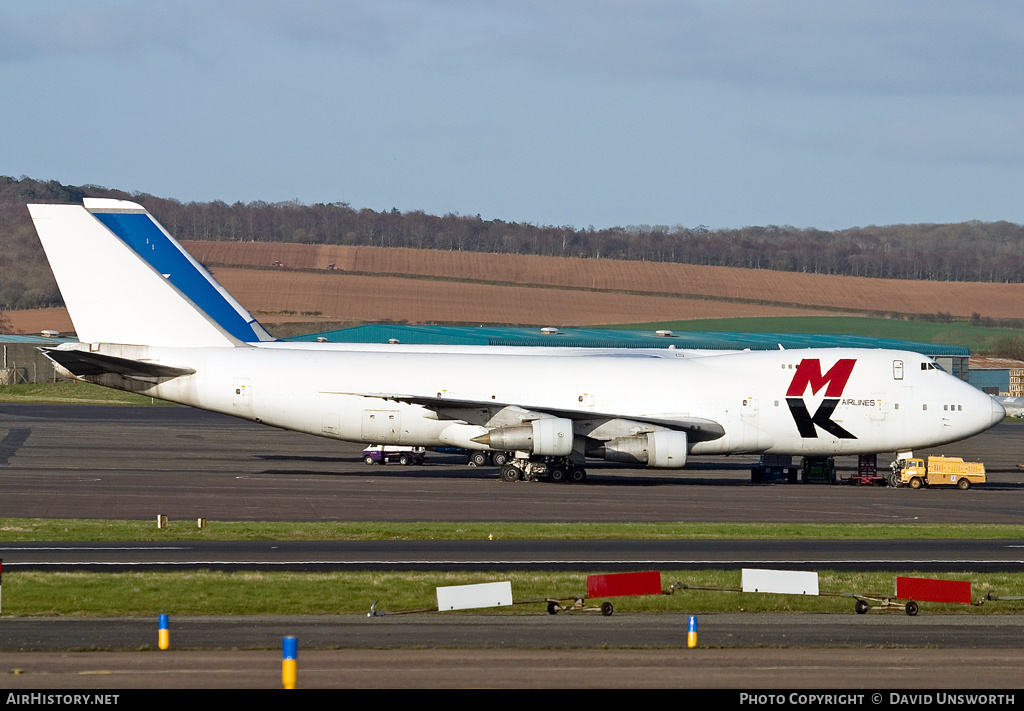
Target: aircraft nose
{"x":998,"y":412}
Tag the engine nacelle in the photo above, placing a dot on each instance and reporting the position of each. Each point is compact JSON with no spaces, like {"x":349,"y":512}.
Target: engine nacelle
{"x":664,"y":449}
{"x":550,"y":436}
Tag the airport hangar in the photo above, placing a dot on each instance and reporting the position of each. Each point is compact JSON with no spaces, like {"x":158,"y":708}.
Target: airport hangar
{"x":22,"y":362}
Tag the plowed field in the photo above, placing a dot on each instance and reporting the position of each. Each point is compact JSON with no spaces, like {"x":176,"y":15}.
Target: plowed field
{"x":651,"y":278}
{"x":346,"y":297}
{"x":418,"y":286}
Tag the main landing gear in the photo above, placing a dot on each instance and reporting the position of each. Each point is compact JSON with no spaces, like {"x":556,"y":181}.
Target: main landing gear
{"x":557,"y":470}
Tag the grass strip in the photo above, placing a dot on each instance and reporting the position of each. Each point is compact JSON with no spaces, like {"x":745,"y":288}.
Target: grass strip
{"x":73,"y":393}
{"x":39,"y":529}
{"x":77,"y":594}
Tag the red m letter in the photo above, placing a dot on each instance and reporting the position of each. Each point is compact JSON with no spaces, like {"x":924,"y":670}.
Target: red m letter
{"x":809,"y":373}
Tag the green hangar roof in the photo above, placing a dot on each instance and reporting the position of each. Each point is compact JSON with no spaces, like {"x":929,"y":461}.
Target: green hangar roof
{"x":615,"y":338}
{"x":34,"y":339}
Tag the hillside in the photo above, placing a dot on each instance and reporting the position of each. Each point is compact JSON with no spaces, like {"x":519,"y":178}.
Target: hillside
{"x":968,"y":252}
{"x":505,"y":273}
{"x":427,"y":286}
{"x":599,"y":290}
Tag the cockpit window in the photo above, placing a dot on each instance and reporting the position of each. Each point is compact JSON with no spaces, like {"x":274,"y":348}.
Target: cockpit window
{"x":931,"y":365}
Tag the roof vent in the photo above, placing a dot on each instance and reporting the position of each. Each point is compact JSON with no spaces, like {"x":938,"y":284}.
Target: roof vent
{"x":49,"y":333}
{"x":664,"y":334}
{"x":549,"y":331}
{"x":393,"y":340}
{"x":321,"y":339}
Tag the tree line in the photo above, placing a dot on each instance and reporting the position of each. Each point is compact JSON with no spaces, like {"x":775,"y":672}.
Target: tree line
{"x":969,"y":251}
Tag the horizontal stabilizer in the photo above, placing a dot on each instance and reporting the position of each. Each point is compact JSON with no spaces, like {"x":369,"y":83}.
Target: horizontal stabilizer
{"x":80,"y":364}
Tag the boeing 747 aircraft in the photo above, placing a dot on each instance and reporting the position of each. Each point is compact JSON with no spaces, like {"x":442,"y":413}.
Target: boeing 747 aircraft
{"x":152,"y":320}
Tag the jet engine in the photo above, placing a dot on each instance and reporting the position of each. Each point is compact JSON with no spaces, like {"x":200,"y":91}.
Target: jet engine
{"x":549,"y":436}
{"x":664,"y":449}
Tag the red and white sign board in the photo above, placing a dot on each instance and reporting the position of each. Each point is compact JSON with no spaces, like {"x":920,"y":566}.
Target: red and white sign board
{"x":930,"y":590}
{"x":621,"y":584}
{"x":465,"y":597}
{"x":786,"y":582}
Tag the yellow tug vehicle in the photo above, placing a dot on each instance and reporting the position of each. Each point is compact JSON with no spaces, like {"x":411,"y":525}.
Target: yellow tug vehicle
{"x":939,"y":471}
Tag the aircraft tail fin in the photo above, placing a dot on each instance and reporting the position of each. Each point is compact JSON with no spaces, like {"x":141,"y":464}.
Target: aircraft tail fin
{"x":125,"y":280}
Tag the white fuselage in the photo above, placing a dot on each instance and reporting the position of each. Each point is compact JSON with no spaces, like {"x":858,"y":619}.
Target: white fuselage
{"x":766,"y":401}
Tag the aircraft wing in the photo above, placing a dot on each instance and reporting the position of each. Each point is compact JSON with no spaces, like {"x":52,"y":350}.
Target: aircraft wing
{"x":698,"y":429}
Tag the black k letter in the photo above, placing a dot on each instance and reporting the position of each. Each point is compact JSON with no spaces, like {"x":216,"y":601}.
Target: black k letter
{"x":822,"y":418}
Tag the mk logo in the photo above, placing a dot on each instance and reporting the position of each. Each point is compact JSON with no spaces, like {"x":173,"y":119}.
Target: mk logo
{"x":808,"y":373}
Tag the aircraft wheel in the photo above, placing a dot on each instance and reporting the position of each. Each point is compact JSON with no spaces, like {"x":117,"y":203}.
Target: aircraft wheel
{"x":861,"y":607}
{"x":964,"y":484}
{"x":916,"y":483}
{"x":478,"y":459}
{"x":552,"y":608}
{"x":577,"y":475}
{"x":368,"y":459}
{"x":500,"y":459}
{"x":910,"y":608}
{"x":557,"y":475}
{"x":510,"y":473}
{"x":607,"y":609}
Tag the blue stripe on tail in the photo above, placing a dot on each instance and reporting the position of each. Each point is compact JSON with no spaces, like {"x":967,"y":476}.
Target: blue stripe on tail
{"x":139,"y":232}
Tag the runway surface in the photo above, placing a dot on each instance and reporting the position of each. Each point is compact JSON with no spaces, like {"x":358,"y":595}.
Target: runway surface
{"x":577,"y":650}
{"x":742,"y":670}
{"x":137,"y":462}
{"x":574,"y":630}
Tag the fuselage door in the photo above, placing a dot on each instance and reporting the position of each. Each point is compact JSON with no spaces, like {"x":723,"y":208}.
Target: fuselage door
{"x":241,"y":398}
{"x":382,"y":426}
{"x":749,"y":407}
{"x":897,"y":370}
{"x":880,"y":410}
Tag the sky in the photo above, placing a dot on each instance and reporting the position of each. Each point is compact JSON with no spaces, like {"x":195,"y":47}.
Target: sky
{"x":724,"y":113}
